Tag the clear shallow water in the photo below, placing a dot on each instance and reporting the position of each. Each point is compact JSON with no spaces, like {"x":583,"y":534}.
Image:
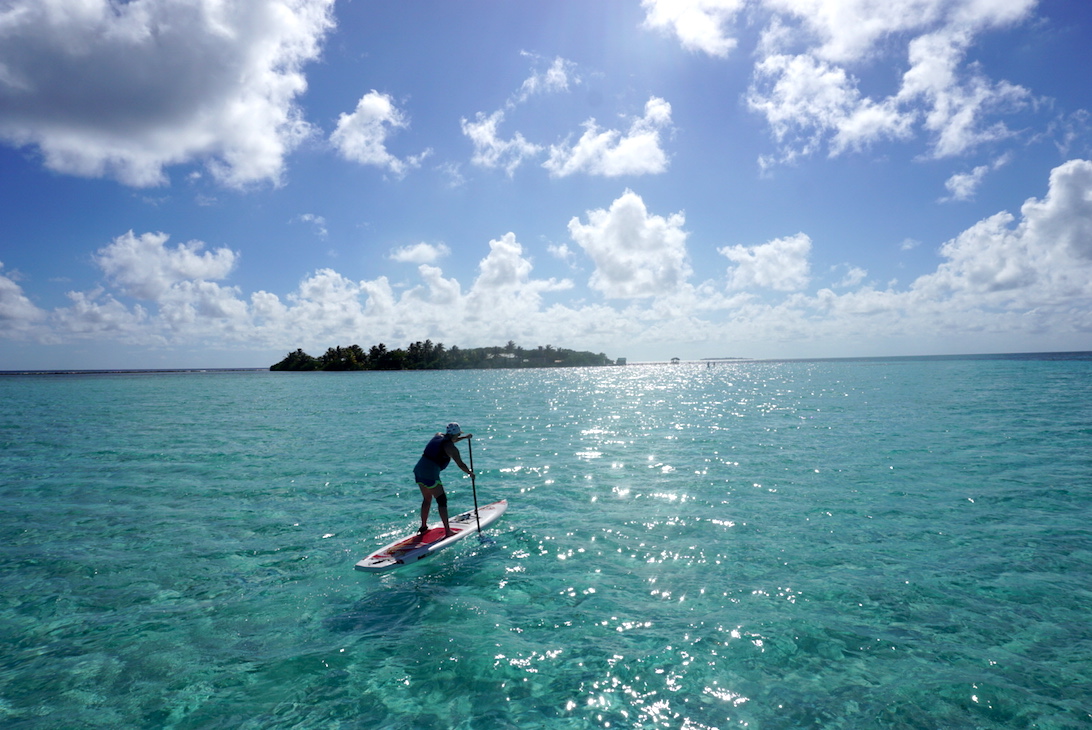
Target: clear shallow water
{"x":857,"y":544}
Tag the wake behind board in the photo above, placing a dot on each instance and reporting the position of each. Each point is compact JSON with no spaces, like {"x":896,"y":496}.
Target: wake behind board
{"x":410,"y":549}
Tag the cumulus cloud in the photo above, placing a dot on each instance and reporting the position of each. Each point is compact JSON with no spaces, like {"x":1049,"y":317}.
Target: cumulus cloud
{"x":562,"y":252}
{"x":504,"y":289}
{"x":803,"y":87}
{"x":17,"y":312}
{"x":854,"y":276}
{"x":964,"y":185}
{"x":781,"y":264}
{"x":178,"y":283}
{"x":605,"y":152}
{"x":362,"y":135}
{"x":636,"y":254}
{"x":610,"y":153}
{"x":1026,"y":275}
{"x":490,"y":150}
{"x":554,"y":80}
{"x":1042,"y":259}
{"x":125,"y":90}
{"x":420,"y":253}
{"x":808,"y":102}
{"x":698,"y":24}
{"x":842,"y":31}
{"x":144,"y":267}
{"x":99,"y":313}
{"x":181,"y":300}
{"x":957,"y":109}
{"x":317,"y":222}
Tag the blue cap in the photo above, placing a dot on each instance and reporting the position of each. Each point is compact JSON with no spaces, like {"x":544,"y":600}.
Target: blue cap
{"x":453,"y":429}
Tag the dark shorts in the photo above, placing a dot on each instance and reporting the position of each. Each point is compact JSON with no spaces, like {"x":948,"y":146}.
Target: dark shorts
{"x":427,"y":473}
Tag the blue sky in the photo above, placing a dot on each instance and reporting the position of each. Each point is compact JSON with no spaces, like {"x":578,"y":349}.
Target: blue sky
{"x":200,"y":183}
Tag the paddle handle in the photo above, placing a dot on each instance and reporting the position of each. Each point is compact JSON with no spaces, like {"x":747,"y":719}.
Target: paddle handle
{"x":473,"y":485}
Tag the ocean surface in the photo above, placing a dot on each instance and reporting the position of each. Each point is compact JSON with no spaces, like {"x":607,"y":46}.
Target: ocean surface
{"x":889,"y":543}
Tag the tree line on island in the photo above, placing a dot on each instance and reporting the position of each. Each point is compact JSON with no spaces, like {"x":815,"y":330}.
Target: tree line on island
{"x":428,"y":356}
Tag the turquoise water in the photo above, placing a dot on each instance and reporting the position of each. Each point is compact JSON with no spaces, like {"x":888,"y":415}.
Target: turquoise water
{"x":853,"y":544}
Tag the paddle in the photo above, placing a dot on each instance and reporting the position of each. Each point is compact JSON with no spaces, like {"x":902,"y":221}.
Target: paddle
{"x":473,"y":485}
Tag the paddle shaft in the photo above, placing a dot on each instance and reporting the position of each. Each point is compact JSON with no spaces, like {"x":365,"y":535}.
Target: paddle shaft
{"x":473,"y":486}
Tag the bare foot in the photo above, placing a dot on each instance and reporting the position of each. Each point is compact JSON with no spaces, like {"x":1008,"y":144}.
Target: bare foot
{"x":449,"y":533}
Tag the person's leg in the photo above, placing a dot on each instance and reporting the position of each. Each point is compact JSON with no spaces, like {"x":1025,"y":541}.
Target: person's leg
{"x":426,"y":504}
{"x":441,"y":504}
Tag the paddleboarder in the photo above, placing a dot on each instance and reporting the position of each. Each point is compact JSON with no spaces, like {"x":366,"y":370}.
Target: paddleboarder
{"x":439,"y":452}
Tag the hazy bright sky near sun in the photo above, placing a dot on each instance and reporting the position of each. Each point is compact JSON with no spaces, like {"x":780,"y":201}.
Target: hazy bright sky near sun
{"x":213,"y":183}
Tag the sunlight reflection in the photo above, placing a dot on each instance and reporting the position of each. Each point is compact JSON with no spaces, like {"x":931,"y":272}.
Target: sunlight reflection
{"x":727,"y":696}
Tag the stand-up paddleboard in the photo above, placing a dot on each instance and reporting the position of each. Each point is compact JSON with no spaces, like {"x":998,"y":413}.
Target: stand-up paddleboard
{"x":416,"y":546}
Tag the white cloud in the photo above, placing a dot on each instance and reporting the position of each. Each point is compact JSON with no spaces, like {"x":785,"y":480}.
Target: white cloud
{"x":490,"y":150}
{"x":698,"y":24}
{"x":127,"y":89}
{"x":324,"y":308}
{"x":636,"y":254}
{"x":851,"y":30}
{"x":1073,"y":133}
{"x":420,"y":253}
{"x":362,"y":135}
{"x":438,"y":291}
{"x":191,"y":305}
{"x":504,"y":290}
{"x":554,"y":80}
{"x":1023,"y":278}
{"x":452,"y":172}
{"x":956,"y":108}
{"x":781,"y":264}
{"x":17,"y":312}
{"x":803,"y":87}
{"x":808,"y":102}
{"x":317,"y":222}
{"x":963,"y":186}
{"x":98,"y":313}
{"x":503,"y":302}
{"x":179,"y":283}
{"x":854,"y":276}
{"x":1044,"y":259}
{"x":611,"y":154}
{"x":562,"y":252}
{"x":145,"y":268}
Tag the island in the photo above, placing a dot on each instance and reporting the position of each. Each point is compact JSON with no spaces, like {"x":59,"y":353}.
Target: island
{"x":428,"y":356}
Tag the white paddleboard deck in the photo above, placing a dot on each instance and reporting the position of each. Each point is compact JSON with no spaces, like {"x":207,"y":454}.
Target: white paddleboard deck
{"x":412,"y":548}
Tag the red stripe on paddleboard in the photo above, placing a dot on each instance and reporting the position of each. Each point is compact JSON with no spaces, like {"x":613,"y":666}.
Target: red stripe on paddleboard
{"x":436,"y":534}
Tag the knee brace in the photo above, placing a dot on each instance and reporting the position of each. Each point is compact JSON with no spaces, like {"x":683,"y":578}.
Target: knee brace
{"x":441,"y":501}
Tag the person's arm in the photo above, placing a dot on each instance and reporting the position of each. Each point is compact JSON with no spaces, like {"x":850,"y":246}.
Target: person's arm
{"x":449,"y":447}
